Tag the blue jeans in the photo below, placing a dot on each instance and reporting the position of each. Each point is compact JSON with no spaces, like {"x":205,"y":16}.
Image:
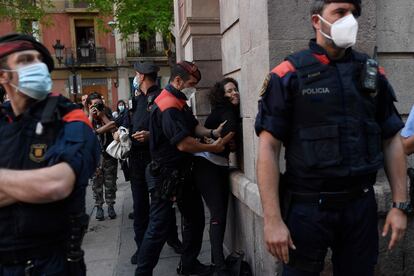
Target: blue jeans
{"x":350,"y":232}
{"x":161,"y":215}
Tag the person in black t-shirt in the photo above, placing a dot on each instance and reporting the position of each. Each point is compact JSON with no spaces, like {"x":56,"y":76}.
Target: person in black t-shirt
{"x":211,"y":170}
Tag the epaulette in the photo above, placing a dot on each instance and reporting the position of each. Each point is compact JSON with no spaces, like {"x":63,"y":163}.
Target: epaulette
{"x":166,"y":100}
{"x":61,"y":108}
{"x":283,"y":69}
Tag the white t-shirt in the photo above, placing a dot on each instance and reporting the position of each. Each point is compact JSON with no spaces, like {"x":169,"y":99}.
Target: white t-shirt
{"x":214,"y":158}
{"x":408,"y":129}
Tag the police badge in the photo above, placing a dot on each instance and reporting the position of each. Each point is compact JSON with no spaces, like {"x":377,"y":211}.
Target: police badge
{"x":37,"y":152}
{"x":264,"y":86}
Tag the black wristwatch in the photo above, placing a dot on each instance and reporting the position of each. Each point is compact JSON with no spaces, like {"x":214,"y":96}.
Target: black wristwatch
{"x":403,"y":206}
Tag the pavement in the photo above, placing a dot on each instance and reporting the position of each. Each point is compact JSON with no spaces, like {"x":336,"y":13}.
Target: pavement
{"x":109,"y":244}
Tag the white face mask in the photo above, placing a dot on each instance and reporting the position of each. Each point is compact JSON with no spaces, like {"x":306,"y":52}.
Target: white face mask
{"x":343,"y":31}
{"x":188,"y":91}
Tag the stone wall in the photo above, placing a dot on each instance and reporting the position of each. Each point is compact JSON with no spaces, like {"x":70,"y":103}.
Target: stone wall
{"x":245,"y":53}
{"x":395,"y":31}
{"x":199,"y":40}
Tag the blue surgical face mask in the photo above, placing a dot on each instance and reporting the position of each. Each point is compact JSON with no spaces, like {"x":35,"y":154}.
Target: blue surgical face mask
{"x":34,"y":80}
{"x":121,"y":108}
{"x":135,"y":83}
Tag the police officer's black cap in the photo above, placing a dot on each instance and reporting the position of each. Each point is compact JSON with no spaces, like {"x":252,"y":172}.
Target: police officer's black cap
{"x":146,"y":67}
{"x":26,"y":40}
{"x":357,"y":4}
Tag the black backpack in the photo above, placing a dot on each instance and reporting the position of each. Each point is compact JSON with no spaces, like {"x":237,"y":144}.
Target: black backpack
{"x":236,"y":264}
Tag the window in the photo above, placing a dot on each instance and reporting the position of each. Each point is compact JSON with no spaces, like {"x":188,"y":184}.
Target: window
{"x":85,"y":39}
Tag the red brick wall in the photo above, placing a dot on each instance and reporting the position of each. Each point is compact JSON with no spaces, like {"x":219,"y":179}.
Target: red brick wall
{"x":60,"y":29}
{"x":6,"y":27}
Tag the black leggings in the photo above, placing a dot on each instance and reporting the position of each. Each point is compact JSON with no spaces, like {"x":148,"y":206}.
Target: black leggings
{"x":213,"y":182}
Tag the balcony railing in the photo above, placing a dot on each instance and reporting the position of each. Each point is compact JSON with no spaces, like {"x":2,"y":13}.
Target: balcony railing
{"x":96,"y":56}
{"x":147,"y":49}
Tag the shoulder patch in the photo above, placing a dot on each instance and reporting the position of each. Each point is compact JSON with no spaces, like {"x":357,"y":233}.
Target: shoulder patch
{"x":322,"y":58}
{"x":282,"y":69}
{"x":77,"y":115}
{"x":265,"y":84}
{"x":166,"y":100}
{"x":54,"y":94}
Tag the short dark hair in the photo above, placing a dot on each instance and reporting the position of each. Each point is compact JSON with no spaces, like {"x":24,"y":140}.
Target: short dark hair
{"x":216,"y":95}
{"x":121,"y":101}
{"x":185,"y":69}
{"x":93,"y":96}
{"x":152,"y":76}
{"x":317,"y":7}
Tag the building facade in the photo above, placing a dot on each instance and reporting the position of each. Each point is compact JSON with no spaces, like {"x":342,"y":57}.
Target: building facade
{"x":86,"y":60}
{"x":137,"y":49}
{"x":89,"y":59}
{"x":246,"y":39}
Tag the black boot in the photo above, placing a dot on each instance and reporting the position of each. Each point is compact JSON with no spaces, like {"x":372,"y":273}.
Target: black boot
{"x":111,"y":212}
{"x":134,"y":258}
{"x":197,"y":269}
{"x":99,"y":213}
{"x":176,"y":245}
{"x":221,"y":271}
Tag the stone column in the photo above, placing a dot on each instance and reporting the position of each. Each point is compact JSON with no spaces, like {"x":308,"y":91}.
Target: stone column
{"x":199,"y":33}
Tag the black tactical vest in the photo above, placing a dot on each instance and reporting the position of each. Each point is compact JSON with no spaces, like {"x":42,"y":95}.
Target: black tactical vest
{"x":23,"y":145}
{"x":334,"y":130}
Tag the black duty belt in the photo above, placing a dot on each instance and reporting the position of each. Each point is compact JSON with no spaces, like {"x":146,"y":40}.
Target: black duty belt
{"x":324,"y":198}
{"x":16,"y":257}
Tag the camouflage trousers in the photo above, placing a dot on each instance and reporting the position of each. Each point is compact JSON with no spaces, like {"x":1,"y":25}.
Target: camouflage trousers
{"x":105,"y":176}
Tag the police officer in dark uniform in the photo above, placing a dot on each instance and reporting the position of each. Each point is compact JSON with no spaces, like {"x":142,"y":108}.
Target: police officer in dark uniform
{"x":48,"y":152}
{"x":339,"y":126}
{"x":172,"y":131}
{"x":148,"y":90}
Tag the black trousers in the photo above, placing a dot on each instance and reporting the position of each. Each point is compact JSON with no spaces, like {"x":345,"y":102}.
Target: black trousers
{"x":53,"y":265}
{"x":192,"y":211}
{"x":351,"y":233}
{"x":140,"y":196}
{"x":213,"y":182}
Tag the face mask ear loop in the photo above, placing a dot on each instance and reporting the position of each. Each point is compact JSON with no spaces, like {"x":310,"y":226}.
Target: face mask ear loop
{"x":326,"y":22}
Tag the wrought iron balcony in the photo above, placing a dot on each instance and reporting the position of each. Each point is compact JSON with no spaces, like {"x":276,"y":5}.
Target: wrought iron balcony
{"x":96,"y":56}
{"x":144,"y":49}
